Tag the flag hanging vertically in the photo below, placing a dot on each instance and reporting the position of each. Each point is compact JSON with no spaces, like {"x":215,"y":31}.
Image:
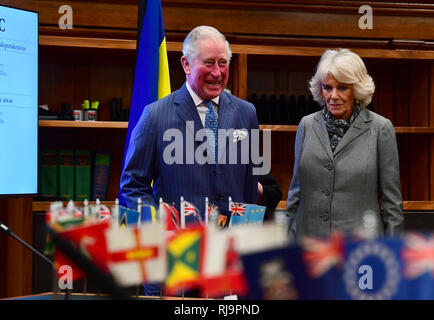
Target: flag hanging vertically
{"x":151,"y":79}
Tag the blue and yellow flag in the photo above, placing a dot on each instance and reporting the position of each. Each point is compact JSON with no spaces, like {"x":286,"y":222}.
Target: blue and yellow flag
{"x":151,"y":79}
{"x":130,"y":217}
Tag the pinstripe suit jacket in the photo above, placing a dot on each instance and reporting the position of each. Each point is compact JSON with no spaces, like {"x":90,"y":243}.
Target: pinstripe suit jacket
{"x":333,"y":190}
{"x":145,"y":161}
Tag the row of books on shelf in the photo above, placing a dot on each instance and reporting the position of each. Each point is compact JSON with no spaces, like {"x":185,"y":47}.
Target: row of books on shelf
{"x":284,"y":109}
{"x":73,"y":174}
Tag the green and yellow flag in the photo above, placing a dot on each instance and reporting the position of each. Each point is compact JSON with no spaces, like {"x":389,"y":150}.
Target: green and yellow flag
{"x":184,"y":252}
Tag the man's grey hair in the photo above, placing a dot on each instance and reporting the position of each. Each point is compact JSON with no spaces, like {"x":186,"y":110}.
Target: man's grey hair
{"x":189,"y":48}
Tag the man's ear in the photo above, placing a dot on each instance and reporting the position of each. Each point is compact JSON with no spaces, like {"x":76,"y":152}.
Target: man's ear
{"x":185,"y":65}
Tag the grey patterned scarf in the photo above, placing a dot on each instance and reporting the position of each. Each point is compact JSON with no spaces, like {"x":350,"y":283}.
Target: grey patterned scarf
{"x":336,"y":128}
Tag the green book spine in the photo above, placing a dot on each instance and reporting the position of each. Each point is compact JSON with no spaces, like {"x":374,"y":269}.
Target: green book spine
{"x":66,"y":174}
{"x":82,"y":175}
{"x":101,"y":175}
{"x":48,"y":166}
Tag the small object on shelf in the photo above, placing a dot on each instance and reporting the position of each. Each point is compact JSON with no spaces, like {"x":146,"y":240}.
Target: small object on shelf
{"x":125,"y":114}
{"x":45,"y":114}
{"x":85,"y":105}
{"x":115,"y":109}
{"x":94,"y":105}
{"x":66,"y":111}
{"x":77,"y":115}
{"x":90,"y":115}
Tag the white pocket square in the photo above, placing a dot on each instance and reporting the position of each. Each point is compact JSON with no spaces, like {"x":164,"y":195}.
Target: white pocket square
{"x":239,"y":135}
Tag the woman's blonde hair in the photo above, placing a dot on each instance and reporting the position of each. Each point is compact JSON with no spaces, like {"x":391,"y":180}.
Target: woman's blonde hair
{"x":346,"y":67}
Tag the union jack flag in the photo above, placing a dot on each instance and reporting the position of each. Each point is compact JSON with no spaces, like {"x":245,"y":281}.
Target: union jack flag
{"x":212,"y":209}
{"x":189,"y":209}
{"x":238,"y":209}
{"x":418,"y":255}
{"x":320,"y":255}
{"x":104,"y":213}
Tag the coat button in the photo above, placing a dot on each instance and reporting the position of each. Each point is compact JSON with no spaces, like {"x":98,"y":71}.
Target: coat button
{"x":329,"y":167}
{"x":325,"y":216}
{"x":326,"y":192}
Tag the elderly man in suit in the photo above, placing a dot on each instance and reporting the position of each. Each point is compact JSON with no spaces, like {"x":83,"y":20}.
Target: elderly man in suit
{"x":346,"y":165}
{"x":170,"y":147}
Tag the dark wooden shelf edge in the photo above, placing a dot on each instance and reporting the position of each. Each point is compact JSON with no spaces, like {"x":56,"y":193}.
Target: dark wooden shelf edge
{"x":124,"y":125}
{"x":83,"y":124}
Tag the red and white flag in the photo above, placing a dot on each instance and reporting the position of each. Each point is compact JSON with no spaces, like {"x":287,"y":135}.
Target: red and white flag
{"x":137,"y":255}
{"x":418,"y":255}
{"x":320,"y":255}
{"x":222,"y":273}
{"x":171,"y":215}
{"x":90,"y":240}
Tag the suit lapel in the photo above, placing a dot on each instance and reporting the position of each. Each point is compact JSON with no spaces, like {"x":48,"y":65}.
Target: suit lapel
{"x":225,"y":115}
{"x":357,"y":128}
{"x":186,"y":109}
{"x":225,"y":112}
{"x":320,"y":130}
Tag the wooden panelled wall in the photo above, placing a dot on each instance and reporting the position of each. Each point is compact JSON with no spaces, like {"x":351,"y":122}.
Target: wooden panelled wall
{"x":404,"y":94}
{"x":399,"y":53}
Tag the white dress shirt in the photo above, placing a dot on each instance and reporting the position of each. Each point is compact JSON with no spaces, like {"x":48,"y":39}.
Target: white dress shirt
{"x":201,"y":108}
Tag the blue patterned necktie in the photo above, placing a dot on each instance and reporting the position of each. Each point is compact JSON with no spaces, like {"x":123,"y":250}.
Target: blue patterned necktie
{"x":211,"y":126}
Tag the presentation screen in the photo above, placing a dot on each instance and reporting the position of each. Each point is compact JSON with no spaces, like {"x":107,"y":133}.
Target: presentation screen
{"x":18,"y":101}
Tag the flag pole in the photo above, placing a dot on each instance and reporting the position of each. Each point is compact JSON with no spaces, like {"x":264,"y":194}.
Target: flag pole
{"x":182,"y":207}
{"x":206,"y":211}
{"x":162,"y":218}
{"x":116,"y":213}
{"x":85,"y":209}
{"x":86,"y":215}
{"x":230,"y":206}
{"x":161,"y":214}
{"x":98,"y":209}
{"x":139,"y":209}
{"x":139,"y":223}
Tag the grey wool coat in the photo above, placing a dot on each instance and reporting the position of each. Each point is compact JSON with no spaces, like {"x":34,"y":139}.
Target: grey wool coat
{"x":335,"y":190}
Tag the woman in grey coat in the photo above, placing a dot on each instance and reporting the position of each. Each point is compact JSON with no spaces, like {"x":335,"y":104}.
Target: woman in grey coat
{"x":346,"y":166}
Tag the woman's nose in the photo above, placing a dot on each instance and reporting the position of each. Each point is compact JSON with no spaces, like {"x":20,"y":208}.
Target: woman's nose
{"x":334,"y":93}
